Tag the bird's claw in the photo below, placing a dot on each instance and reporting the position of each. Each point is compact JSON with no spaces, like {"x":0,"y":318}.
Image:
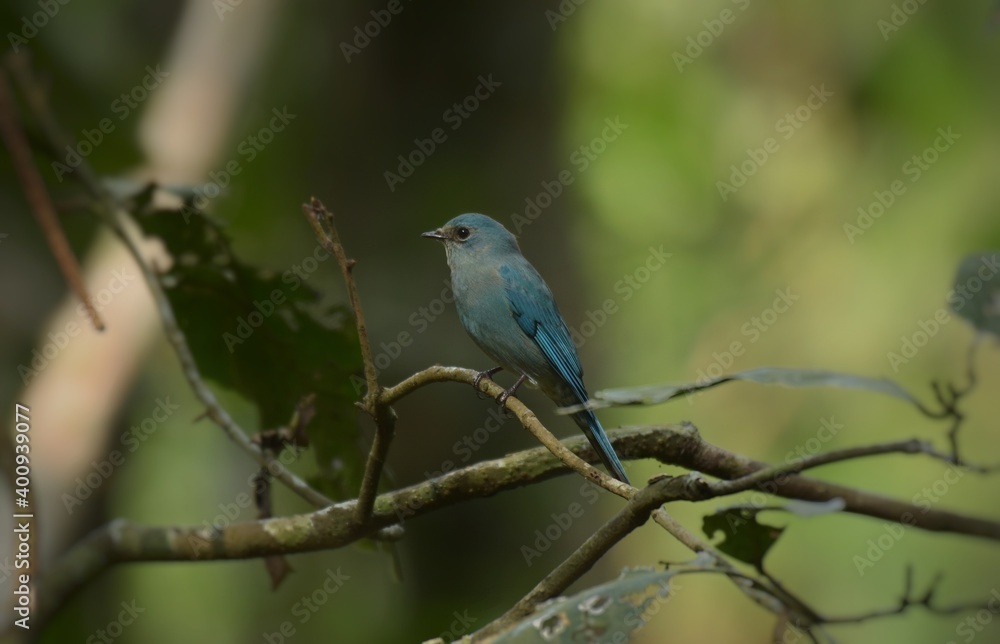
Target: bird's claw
{"x":502,"y":398}
{"x":479,"y":378}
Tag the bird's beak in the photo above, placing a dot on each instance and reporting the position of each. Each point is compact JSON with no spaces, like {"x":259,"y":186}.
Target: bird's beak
{"x":433,"y":234}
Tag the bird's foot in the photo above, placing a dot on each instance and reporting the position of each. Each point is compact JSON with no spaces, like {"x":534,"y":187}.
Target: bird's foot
{"x":502,"y":398}
{"x":484,"y":374}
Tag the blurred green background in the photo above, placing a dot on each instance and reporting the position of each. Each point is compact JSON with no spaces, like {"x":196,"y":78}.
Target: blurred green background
{"x":701,"y":93}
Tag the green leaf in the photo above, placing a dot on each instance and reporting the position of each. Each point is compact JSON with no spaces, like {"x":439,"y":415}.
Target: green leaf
{"x":976,"y":293}
{"x":743,"y":536}
{"x":610,"y":612}
{"x":788,"y":377}
{"x":266,"y":336}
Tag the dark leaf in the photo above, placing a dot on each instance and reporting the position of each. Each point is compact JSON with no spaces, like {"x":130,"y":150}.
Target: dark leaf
{"x":305,"y":411}
{"x":976,"y":293}
{"x":262,"y":493}
{"x":277,"y":569}
{"x":266,"y":336}
{"x":743,"y":536}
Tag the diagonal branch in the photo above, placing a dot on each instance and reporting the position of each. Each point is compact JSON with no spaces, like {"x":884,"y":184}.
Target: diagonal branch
{"x":38,"y":198}
{"x":527,"y":418}
{"x":635,"y":513}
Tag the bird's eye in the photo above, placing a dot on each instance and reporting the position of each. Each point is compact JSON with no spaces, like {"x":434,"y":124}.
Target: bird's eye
{"x":462,"y":233}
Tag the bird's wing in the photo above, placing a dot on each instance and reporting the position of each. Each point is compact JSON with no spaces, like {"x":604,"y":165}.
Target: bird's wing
{"x":535,"y":311}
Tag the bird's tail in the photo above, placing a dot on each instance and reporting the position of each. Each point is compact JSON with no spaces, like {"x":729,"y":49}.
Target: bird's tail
{"x":595,"y":433}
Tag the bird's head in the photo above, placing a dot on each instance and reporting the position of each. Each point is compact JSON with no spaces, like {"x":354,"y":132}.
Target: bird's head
{"x":473,"y":236}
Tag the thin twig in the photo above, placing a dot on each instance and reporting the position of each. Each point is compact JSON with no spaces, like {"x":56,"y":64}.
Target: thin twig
{"x":326,"y":231}
{"x":41,"y":204}
{"x":374,"y":402}
{"x":767,"y":475}
{"x":958,"y":417}
{"x":908,"y":600}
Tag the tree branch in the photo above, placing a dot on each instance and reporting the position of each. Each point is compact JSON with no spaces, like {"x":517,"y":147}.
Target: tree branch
{"x":777,"y":473}
{"x":336,"y":526}
{"x":41,"y":203}
{"x":528,"y":420}
{"x":682,"y":446}
{"x":950,"y":397}
{"x":374,"y":403}
{"x":690,"y":487}
{"x":635,"y":513}
{"x":909,"y":599}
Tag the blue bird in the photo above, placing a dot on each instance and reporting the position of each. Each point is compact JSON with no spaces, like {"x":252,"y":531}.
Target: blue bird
{"x":508,"y":310}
